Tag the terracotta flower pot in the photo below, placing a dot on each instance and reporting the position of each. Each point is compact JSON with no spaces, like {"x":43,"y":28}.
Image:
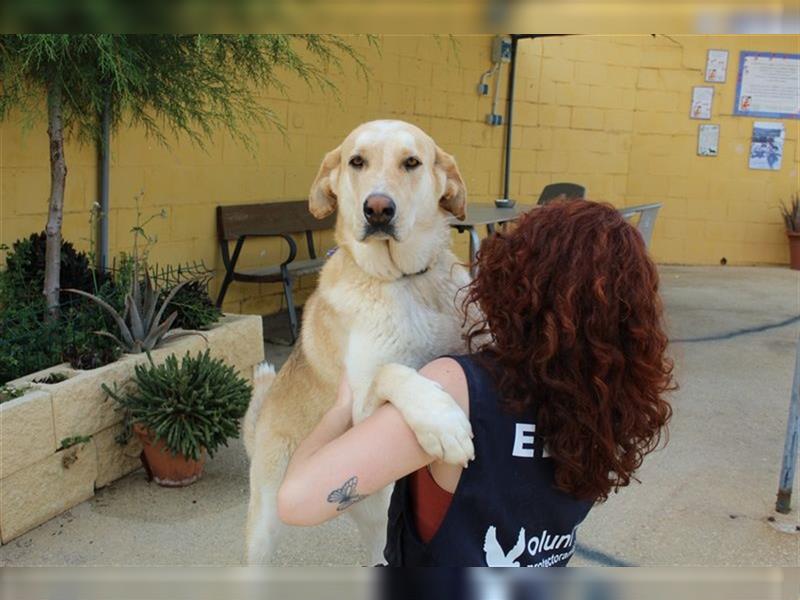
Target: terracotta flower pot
{"x":162,"y":466}
{"x":794,"y":249}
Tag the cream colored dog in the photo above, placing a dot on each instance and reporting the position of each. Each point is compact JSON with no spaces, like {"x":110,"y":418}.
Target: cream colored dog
{"x":385,"y":305}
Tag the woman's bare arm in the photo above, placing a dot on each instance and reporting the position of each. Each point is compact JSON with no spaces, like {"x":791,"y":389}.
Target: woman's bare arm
{"x":337,"y":465}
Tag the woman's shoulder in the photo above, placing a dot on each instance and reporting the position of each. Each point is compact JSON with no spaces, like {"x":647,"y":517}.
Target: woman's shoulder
{"x":448,"y":372}
{"x":472,"y":376}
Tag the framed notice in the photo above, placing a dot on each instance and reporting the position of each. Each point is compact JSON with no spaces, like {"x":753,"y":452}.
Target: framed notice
{"x":716,"y":66}
{"x":768,"y":85}
{"x":766,"y":147}
{"x":702,"y":98}
{"x":708,"y":140}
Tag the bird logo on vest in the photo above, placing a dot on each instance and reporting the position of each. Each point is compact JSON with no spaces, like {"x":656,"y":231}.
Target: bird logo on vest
{"x":495,"y":556}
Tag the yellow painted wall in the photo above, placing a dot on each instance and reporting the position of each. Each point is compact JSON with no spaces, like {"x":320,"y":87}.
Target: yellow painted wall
{"x":607,"y":112}
{"x":612,"y":112}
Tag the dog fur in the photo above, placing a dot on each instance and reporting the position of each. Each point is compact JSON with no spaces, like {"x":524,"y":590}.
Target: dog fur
{"x":387,"y":303}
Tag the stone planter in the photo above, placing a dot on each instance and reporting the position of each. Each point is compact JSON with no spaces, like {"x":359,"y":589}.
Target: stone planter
{"x":39,"y":478}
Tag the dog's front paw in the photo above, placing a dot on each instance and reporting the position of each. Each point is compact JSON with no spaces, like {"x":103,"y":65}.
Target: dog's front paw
{"x":441,"y":427}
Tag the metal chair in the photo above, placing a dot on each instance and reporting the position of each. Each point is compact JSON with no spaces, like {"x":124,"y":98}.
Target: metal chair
{"x":569,"y":191}
{"x":647,"y":218}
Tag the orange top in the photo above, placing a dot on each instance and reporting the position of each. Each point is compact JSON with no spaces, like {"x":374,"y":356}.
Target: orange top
{"x":430,"y":503}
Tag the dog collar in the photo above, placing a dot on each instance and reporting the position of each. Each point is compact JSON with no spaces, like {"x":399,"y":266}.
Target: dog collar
{"x":425,"y":270}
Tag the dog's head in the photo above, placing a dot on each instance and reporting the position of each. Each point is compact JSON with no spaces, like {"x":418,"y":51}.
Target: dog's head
{"x":386,"y":179}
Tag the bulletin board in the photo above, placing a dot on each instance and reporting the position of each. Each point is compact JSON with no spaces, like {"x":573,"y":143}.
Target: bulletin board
{"x":768,"y":85}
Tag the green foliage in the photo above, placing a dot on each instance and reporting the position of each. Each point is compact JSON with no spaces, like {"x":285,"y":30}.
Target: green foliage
{"x":74,"y":440}
{"x":166,"y":82}
{"x":81,"y":346}
{"x":791,"y":214}
{"x":55,"y":377}
{"x":22,"y":282}
{"x":8,"y":392}
{"x":140,"y":326}
{"x":190,"y":405}
{"x":28,"y":341}
{"x":194,"y":306}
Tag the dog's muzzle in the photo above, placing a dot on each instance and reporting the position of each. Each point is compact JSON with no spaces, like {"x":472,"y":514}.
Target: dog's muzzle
{"x":379,"y":211}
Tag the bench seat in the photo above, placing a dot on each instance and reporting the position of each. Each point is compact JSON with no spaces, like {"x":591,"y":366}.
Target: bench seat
{"x":282,"y":220}
{"x":272,"y":274}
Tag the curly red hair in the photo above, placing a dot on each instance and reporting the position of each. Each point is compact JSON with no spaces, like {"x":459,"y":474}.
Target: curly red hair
{"x":573,"y":319}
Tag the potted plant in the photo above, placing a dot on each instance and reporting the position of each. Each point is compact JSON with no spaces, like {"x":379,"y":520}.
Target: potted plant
{"x":181,"y":411}
{"x":791,"y":217}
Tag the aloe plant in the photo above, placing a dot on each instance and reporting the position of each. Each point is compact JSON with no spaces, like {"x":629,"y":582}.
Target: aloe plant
{"x":140,"y":326}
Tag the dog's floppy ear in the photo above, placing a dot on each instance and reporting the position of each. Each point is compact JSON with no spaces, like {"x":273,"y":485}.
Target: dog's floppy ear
{"x":454,"y":198}
{"x":322,"y":198}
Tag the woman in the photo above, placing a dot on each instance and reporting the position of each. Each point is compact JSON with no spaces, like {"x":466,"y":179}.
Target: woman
{"x":564,"y":390}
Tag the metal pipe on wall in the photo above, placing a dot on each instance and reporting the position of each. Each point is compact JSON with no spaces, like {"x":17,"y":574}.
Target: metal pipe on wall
{"x":510,"y":114}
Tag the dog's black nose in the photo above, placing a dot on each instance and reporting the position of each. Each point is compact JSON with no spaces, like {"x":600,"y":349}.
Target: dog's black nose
{"x":379,"y":209}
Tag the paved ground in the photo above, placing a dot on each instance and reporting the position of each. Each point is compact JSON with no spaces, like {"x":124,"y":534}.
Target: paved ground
{"x":704,"y":500}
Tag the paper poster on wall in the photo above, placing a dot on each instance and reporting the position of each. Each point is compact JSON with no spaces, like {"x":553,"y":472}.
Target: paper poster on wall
{"x":702,"y":97}
{"x":768,"y":85}
{"x":766,"y":148}
{"x":716,"y":66}
{"x":708,"y":140}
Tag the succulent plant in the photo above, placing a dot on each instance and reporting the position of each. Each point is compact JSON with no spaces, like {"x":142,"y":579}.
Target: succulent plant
{"x":140,"y":326}
{"x":191,"y":404}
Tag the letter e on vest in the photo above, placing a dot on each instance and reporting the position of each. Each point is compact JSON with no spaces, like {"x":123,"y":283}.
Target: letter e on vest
{"x":523,"y":440}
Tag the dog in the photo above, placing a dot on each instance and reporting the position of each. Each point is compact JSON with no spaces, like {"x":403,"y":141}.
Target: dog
{"x":387,"y":302}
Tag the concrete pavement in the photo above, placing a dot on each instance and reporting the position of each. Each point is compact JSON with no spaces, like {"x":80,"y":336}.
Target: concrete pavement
{"x":704,"y":500}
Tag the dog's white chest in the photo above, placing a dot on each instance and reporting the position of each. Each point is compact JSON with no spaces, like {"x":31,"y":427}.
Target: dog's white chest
{"x":406,"y":322}
{"x":406,"y":326}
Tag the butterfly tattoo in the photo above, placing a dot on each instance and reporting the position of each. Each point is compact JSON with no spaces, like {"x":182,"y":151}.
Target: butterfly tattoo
{"x":346,"y":495}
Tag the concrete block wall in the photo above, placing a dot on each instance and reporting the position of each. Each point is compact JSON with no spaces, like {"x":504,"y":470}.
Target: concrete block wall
{"x":610,"y":112}
{"x":614,"y":115}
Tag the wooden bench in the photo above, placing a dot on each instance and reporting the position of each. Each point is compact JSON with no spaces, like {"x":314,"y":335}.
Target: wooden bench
{"x":276,"y":219}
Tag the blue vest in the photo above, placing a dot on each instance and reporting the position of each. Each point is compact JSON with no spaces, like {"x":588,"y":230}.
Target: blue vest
{"x":505,"y":511}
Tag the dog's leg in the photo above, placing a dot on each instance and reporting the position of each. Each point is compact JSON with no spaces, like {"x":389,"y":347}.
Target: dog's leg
{"x":441,"y":427}
{"x":263,"y":525}
{"x":370,"y":516}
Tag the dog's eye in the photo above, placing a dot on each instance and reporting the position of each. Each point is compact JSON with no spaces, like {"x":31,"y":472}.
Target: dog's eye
{"x":412,"y":162}
{"x":357,"y":162}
